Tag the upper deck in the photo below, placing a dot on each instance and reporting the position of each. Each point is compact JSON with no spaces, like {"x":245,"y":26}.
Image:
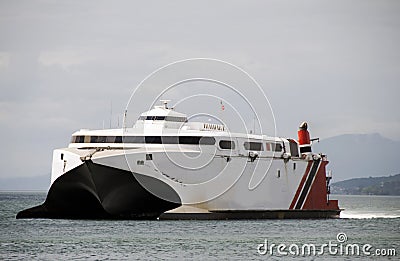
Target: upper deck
{"x":166,"y":127}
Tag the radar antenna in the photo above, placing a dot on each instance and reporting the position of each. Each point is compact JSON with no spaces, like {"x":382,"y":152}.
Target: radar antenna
{"x":165,"y":102}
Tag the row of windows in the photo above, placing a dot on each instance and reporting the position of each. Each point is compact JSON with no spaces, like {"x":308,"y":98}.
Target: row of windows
{"x":145,"y":139}
{"x":258,"y":146}
{"x":96,"y":139}
{"x":162,"y":118}
{"x":193,"y":140}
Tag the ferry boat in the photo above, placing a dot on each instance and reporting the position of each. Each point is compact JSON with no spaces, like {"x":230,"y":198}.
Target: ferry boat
{"x":166,"y":167}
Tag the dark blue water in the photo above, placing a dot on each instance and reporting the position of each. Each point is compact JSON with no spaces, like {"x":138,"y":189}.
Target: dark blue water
{"x":369,"y":220}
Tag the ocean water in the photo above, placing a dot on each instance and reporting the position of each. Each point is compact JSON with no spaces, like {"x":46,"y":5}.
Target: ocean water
{"x":372,"y":220}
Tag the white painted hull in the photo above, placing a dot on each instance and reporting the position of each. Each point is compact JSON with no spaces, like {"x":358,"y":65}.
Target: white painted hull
{"x":237,"y":185}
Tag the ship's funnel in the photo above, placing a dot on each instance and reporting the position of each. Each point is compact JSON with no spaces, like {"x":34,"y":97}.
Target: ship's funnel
{"x":304,"y":138}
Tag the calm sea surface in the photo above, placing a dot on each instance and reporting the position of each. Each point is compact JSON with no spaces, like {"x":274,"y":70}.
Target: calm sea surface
{"x":373,"y":220}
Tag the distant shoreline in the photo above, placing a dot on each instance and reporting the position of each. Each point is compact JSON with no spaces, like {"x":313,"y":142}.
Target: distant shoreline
{"x":374,"y":186}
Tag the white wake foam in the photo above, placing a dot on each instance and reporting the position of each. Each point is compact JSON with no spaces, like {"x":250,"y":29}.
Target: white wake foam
{"x":362,"y":215}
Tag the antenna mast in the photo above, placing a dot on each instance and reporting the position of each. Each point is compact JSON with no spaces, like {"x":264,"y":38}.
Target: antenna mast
{"x":110,"y":113}
{"x":124,"y":120}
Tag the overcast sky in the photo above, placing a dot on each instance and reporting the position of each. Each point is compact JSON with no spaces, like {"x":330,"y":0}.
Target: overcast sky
{"x":335,"y":64}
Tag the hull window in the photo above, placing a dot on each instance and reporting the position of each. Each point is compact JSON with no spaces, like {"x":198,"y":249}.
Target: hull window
{"x":276,"y":147}
{"x":257,"y":146}
{"x":153,"y":139}
{"x":133,"y":139}
{"x":227,"y":144}
{"x":196,"y":140}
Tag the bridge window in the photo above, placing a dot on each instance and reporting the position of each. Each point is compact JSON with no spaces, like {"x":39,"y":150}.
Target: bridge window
{"x":97,"y":139}
{"x":152,"y":118}
{"x":78,"y":139}
{"x":176,"y":119}
{"x":162,"y":118}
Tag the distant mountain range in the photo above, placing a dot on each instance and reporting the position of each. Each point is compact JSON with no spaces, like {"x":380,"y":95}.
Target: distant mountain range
{"x":368,"y":186}
{"x":350,"y":156}
{"x":360,"y":156}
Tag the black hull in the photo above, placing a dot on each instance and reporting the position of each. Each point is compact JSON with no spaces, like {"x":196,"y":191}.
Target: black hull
{"x":93,"y":191}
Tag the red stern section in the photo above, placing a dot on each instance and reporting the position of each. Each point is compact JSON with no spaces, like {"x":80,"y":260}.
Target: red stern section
{"x":312,"y":191}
